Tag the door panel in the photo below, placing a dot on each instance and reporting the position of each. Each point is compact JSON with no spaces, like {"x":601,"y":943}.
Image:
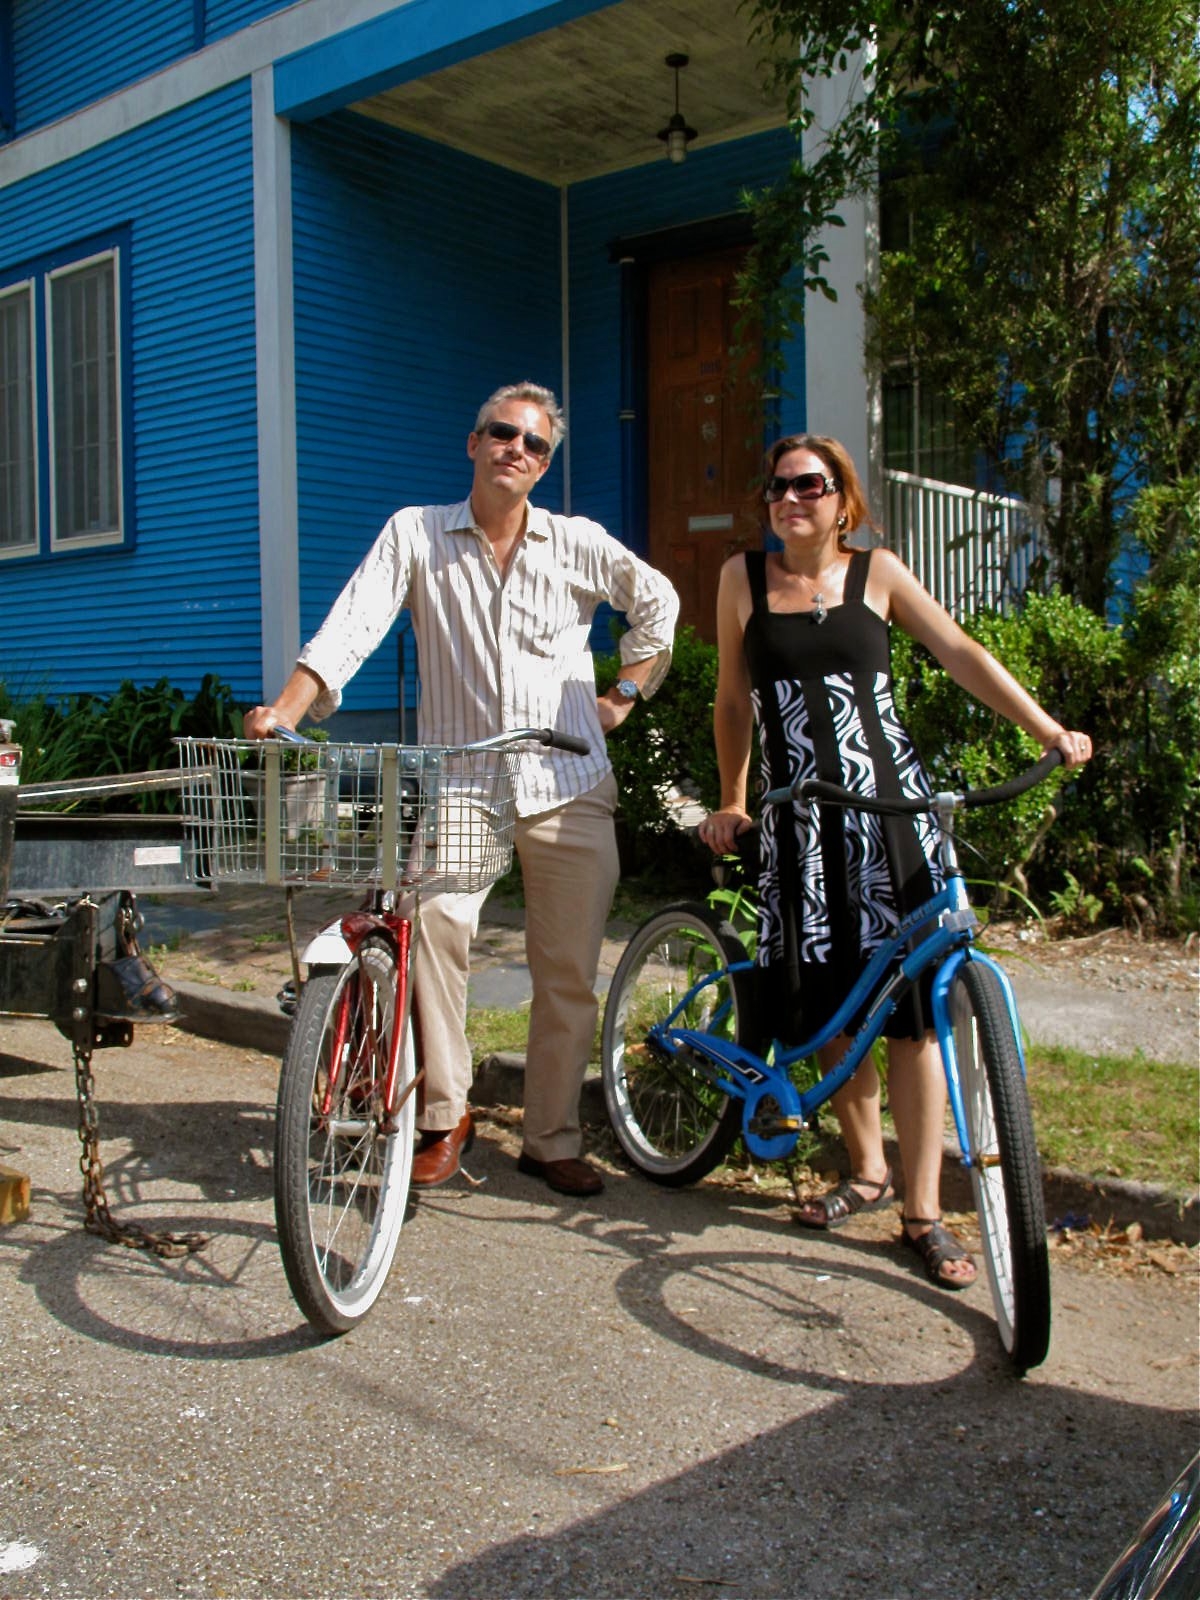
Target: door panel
{"x":705,"y":431}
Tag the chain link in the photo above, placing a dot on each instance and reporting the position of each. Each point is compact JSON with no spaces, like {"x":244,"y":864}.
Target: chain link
{"x":97,"y":1216}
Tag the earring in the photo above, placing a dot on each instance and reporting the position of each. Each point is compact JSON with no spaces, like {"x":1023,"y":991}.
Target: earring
{"x":841,"y":523}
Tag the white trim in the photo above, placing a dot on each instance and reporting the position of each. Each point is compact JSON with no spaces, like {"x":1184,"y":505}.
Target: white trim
{"x":110,"y":536}
{"x":28,"y":286}
{"x":275,"y":356}
{"x":229,"y":60}
{"x":564,"y":278}
{"x":839,"y":396}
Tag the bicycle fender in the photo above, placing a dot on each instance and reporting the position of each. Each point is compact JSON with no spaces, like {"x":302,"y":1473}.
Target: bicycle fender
{"x":334,"y":945}
{"x":942,"y":981}
{"x":1010,"y":1000}
{"x":326,"y":949}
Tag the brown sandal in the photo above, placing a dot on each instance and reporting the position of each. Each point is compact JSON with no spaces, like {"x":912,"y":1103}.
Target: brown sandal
{"x":936,"y":1247}
{"x":844,"y":1202}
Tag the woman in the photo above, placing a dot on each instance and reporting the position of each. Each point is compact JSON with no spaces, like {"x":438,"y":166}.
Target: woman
{"x":803,"y":639}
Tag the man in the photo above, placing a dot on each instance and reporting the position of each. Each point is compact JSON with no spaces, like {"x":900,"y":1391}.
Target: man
{"x":502,"y":595}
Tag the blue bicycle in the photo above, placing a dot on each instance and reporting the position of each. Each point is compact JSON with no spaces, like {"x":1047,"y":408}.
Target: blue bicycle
{"x":686,"y":1070}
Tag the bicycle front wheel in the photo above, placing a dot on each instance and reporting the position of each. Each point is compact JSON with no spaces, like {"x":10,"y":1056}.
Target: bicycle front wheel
{"x":341,"y":1172}
{"x":1006,"y":1173}
{"x":669,"y":1119}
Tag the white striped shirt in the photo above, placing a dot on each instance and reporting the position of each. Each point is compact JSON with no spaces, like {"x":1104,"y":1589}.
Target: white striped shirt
{"x":500,"y":652}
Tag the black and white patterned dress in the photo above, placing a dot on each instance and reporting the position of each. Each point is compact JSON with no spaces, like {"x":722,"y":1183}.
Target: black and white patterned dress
{"x":833,"y":882}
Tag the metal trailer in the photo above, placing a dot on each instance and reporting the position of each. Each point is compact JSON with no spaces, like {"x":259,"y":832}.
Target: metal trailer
{"x":68,"y":924}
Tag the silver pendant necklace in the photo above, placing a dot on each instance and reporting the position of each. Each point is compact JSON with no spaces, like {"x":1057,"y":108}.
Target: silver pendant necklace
{"x":818,"y":612}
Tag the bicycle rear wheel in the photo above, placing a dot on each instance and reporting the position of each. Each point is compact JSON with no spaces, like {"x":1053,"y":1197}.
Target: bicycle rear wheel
{"x":341,"y":1176}
{"x":671,"y":1122}
{"x":1006,"y":1173}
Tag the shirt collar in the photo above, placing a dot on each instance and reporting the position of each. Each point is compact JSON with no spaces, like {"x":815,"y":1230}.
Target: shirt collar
{"x":462,"y":520}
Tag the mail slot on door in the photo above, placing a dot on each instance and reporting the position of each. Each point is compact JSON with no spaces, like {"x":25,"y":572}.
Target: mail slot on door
{"x":714,"y":524}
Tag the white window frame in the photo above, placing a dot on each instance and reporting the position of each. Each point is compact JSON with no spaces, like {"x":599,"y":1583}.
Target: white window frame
{"x":106,"y":536}
{"x":28,"y":287}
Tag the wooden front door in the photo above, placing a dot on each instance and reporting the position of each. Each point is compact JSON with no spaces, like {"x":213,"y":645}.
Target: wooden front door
{"x":705,"y":431}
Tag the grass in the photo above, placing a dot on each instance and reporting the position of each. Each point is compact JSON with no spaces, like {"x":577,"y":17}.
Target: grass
{"x":1102,"y":1116}
{"x":1111,"y":1116}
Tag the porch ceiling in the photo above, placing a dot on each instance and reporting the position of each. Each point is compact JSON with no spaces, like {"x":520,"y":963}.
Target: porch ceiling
{"x":589,"y":96}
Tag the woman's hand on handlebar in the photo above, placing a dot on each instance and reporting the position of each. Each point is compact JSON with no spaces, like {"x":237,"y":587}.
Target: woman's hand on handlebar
{"x":1076,"y":748}
{"x":720,"y":829}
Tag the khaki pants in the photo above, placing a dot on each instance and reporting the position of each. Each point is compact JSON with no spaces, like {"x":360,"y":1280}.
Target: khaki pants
{"x":569,"y":867}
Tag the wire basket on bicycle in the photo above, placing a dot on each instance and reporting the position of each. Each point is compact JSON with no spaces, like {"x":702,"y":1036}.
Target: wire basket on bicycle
{"x":434,"y":817}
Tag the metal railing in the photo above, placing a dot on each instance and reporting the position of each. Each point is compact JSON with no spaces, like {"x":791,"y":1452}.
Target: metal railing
{"x":972,"y":550}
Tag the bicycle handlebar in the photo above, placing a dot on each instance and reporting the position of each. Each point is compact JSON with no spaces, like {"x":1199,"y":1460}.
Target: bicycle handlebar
{"x":834,"y":794}
{"x":547,"y":736}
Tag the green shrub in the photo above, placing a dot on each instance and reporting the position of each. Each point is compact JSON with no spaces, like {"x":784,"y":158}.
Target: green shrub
{"x":1123,"y":837}
{"x":665,"y":744}
{"x":131,"y":730}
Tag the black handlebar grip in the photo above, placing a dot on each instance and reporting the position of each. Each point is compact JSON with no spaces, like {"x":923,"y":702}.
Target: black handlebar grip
{"x":1014,"y":786}
{"x":565,"y":741}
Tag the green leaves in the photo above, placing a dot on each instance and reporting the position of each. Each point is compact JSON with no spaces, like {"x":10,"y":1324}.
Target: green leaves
{"x":1048,"y":159}
{"x":131,"y":730}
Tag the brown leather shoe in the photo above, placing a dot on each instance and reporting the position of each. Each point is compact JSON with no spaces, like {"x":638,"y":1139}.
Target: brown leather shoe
{"x":437,"y":1157}
{"x":571,"y":1176}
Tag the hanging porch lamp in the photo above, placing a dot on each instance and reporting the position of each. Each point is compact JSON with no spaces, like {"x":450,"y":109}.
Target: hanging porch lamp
{"x":676,"y":135}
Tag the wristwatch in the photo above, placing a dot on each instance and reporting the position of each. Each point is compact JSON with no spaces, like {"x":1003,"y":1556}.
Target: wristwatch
{"x":626,"y":688}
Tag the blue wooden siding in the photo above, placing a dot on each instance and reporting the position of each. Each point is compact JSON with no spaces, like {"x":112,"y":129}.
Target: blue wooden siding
{"x":186,"y":600}
{"x":68,"y":53}
{"x":227,"y":16}
{"x":424,"y":280}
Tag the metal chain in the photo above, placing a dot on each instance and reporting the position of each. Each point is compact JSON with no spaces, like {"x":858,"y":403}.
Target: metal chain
{"x":97,"y":1216}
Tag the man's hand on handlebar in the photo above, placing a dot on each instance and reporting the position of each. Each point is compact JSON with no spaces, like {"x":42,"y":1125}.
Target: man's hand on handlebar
{"x":260,"y":722}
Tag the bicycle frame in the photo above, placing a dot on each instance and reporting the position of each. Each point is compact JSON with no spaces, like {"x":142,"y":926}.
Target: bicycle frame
{"x":334,"y":945}
{"x":776,"y":1111}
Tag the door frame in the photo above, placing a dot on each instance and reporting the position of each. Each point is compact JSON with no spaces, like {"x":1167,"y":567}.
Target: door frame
{"x":634,"y":255}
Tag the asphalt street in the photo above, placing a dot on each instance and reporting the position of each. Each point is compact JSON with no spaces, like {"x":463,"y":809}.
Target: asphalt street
{"x":653,"y":1394}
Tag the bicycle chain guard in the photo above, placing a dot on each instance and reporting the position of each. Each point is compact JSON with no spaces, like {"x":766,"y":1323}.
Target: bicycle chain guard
{"x":772,"y":1122}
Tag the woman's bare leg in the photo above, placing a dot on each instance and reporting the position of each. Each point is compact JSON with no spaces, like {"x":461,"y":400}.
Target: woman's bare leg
{"x":917,"y":1098}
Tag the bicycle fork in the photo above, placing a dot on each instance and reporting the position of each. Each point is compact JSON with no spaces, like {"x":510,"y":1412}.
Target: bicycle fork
{"x":336,"y":945}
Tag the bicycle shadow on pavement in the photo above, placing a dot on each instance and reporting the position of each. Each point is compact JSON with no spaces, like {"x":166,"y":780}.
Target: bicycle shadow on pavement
{"x":804,"y":1279}
{"x":209,"y":1305}
{"x":916,"y":1463}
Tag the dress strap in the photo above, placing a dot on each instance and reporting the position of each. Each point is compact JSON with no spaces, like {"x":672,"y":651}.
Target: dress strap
{"x":856,"y":577}
{"x":756,"y":576}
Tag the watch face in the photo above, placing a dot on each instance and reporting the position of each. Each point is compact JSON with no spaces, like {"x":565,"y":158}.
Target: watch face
{"x":627,"y":688}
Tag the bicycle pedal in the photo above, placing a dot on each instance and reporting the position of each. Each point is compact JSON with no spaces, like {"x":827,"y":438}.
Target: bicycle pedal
{"x":772,"y":1127}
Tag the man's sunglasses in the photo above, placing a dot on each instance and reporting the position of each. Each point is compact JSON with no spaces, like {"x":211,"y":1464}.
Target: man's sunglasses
{"x":805,"y":486}
{"x":506,"y":432}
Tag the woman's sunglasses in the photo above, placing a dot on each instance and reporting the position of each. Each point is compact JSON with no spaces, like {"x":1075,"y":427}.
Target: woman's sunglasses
{"x":506,"y":432}
{"x":805,"y":486}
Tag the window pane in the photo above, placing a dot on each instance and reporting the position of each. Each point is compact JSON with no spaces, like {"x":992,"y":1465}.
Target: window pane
{"x":86,"y":465}
{"x":18,"y":528}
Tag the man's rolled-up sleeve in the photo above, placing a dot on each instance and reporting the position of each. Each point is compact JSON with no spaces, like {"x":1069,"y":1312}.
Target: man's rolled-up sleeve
{"x":360,"y":617}
{"x":651,"y":609}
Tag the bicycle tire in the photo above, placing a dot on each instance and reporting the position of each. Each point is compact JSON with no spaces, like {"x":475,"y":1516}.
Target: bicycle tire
{"x":669,"y":1119}
{"x":341,"y":1182}
{"x":1005,"y":1169}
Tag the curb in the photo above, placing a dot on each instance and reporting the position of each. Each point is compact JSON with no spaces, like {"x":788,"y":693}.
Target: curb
{"x":257,"y":1024}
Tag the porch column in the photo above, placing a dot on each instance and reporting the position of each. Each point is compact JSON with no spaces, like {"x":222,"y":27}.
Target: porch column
{"x":842,"y":399}
{"x":278,"y":516}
